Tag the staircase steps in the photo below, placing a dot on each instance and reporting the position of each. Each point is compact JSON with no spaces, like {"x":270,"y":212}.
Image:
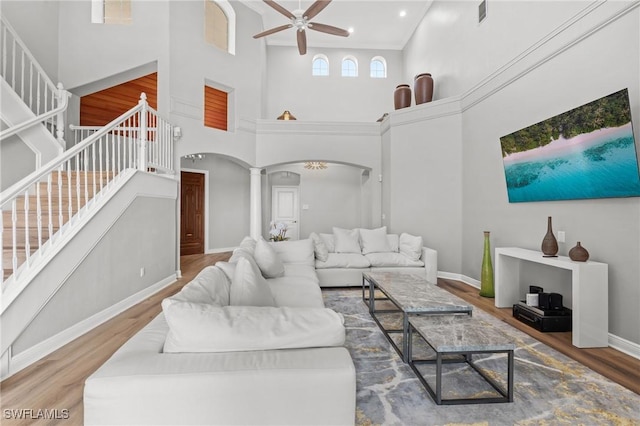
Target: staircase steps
{"x":83,"y":180}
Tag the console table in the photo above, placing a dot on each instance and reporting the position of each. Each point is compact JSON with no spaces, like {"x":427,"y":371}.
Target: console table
{"x":589,"y":287}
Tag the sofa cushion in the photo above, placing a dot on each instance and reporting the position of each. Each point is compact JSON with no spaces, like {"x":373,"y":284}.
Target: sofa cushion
{"x":299,"y":251}
{"x":394,"y":242}
{"x":392,"y":259}
{"x":344,"y":260}
{"x":302,"y":271}
{"x":249,"y":288}
{"x":410,"y":245}
{"x":210,"y":286}
{"x":248,"y":243}
{"x":319,"y":247}
{"x":268,"y":260}
{"x":329,"y":241}
{"x":197,"y":327}
{"x":346,"y":240}
{"x":228,"y":268}
{"x":374,"y":240}
{"x":296,"y":292}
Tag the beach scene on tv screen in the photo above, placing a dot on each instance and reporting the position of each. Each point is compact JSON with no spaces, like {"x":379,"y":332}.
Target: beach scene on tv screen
{"x":587,"y":152}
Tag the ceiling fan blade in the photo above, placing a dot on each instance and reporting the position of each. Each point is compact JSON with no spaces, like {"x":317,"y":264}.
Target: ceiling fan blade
{"x":273,"y":30}
{"x":315,"y":8}
{"x":280,"y":9}
{"x":302,"y":42}
{"x":328,"y":29}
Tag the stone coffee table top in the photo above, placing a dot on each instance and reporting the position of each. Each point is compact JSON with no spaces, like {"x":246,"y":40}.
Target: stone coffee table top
{"x":414,"y":294}
{"x":460,"y":333}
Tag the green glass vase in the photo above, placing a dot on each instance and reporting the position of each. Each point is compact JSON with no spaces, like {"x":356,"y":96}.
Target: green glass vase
{"x":486,"y":277}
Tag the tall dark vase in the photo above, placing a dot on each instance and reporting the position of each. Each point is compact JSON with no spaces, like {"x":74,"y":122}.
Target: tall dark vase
{"x":423,"y":88}
{"x":486,"y":275}
{"x":402,"y":96}
{"x":549,"y":242}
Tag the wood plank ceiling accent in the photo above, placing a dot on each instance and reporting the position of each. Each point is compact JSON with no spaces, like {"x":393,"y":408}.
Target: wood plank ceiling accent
{"x":100,"y":108}
{"x":215,"y":108}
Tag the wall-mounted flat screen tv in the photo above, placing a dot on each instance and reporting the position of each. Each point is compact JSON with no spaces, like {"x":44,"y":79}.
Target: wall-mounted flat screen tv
{"x":587,"y":152}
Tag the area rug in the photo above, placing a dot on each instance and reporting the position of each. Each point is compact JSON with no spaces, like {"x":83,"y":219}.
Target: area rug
{"x":550,"y":388}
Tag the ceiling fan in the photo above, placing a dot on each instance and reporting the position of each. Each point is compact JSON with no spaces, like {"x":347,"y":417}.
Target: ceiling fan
{"x":300,"y":20}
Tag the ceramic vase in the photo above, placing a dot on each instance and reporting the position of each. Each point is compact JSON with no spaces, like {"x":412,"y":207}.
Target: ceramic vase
{"x":549,"y":242}
{"x":486,"y":276}
{"x":579,"y":253}
{"x":423,"y":88}
{"x":402,"y":96}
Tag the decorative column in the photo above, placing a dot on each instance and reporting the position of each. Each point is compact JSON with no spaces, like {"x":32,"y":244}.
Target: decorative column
{"x":255,"y":203}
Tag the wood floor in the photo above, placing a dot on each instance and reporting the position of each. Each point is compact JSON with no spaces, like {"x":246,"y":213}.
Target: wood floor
{"x":56,"y":382}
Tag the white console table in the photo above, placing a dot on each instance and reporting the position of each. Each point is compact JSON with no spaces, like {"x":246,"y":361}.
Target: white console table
{"x":589,"y":286}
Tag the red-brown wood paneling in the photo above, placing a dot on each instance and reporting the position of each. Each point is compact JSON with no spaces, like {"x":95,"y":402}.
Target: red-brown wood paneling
{"x":100,"y":108}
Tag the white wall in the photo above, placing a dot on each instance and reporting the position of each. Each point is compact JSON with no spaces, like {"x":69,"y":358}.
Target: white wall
{"x":193,"y":62}
{"x":17,"y":160}
{"x":141,"y":237}
{"x":425,"y":174}
{"x":290,"y":85}
{"x":460,"y":53}
{"x":590,"y":55}
{"x":36,"y":22}
{"x":228,"y":188}
{"x":333,"y":195}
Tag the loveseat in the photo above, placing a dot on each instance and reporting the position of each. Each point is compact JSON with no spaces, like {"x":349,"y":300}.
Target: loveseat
{"x":247,"y":341}
{"x":343,"y":255}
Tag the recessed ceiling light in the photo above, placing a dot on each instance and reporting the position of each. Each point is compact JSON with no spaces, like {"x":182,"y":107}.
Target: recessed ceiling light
{"x":403,"y":13}
{"x":350,"y":29}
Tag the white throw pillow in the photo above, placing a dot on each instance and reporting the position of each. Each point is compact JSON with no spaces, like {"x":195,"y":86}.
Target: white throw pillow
{"x":328,"y":241}
{"x":249,"y":288}
{"x":411,"y":246}
{"x":268,"y":260}
{"x":320,"y":249}
{"x":394,"y":242}
{"x":298,"y":251}
{"x":204,"y":328}
{"x":346,"y":240}
{"x":210,"y":286}
{"x":374,"y":240}
{"x":228,"y":268}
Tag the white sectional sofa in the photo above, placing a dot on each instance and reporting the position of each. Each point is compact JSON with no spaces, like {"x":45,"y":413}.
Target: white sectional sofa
{"x":234,"y":347}
{"x":342,"y":256}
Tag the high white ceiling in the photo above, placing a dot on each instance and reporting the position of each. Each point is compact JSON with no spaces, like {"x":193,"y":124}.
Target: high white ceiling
{"x":376,"y":24}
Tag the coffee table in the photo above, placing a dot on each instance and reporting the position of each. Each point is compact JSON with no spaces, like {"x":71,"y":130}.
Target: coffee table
{"x":459,"y":338}
{"x":411,"y":294}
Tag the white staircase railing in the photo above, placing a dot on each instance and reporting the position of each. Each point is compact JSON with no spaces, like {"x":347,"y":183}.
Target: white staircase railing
{"x":44,"y":206}
{"x":29,"y":81}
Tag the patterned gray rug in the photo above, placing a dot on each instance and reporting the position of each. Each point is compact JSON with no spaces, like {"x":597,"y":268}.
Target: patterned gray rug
{"x":550,"y":388}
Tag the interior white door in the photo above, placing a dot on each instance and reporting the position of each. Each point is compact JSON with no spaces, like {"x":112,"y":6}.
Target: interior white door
{"x":286,"y":209}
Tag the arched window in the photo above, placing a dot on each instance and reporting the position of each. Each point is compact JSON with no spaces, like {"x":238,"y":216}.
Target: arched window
{"x":378,"y":67}
{"x":349,"y":67}
{"x":320,"y":65}
{"x":111,"y":11}
{"x":220,"y":25}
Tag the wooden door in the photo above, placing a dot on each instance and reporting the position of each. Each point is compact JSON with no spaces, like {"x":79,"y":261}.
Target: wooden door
{"x":191,"y":213}
{"x":285,"y":209}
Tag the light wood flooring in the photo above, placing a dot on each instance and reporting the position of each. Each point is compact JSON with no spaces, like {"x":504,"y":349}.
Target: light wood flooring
{"x":57,"y":381}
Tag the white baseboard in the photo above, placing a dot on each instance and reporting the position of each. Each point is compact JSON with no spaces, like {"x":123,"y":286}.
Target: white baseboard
{"x":616,"y":342}
{"x":625,"y":346}
{"x":459,"y":277}
{"x":220,"y":250}
{"x":44,"y":348}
